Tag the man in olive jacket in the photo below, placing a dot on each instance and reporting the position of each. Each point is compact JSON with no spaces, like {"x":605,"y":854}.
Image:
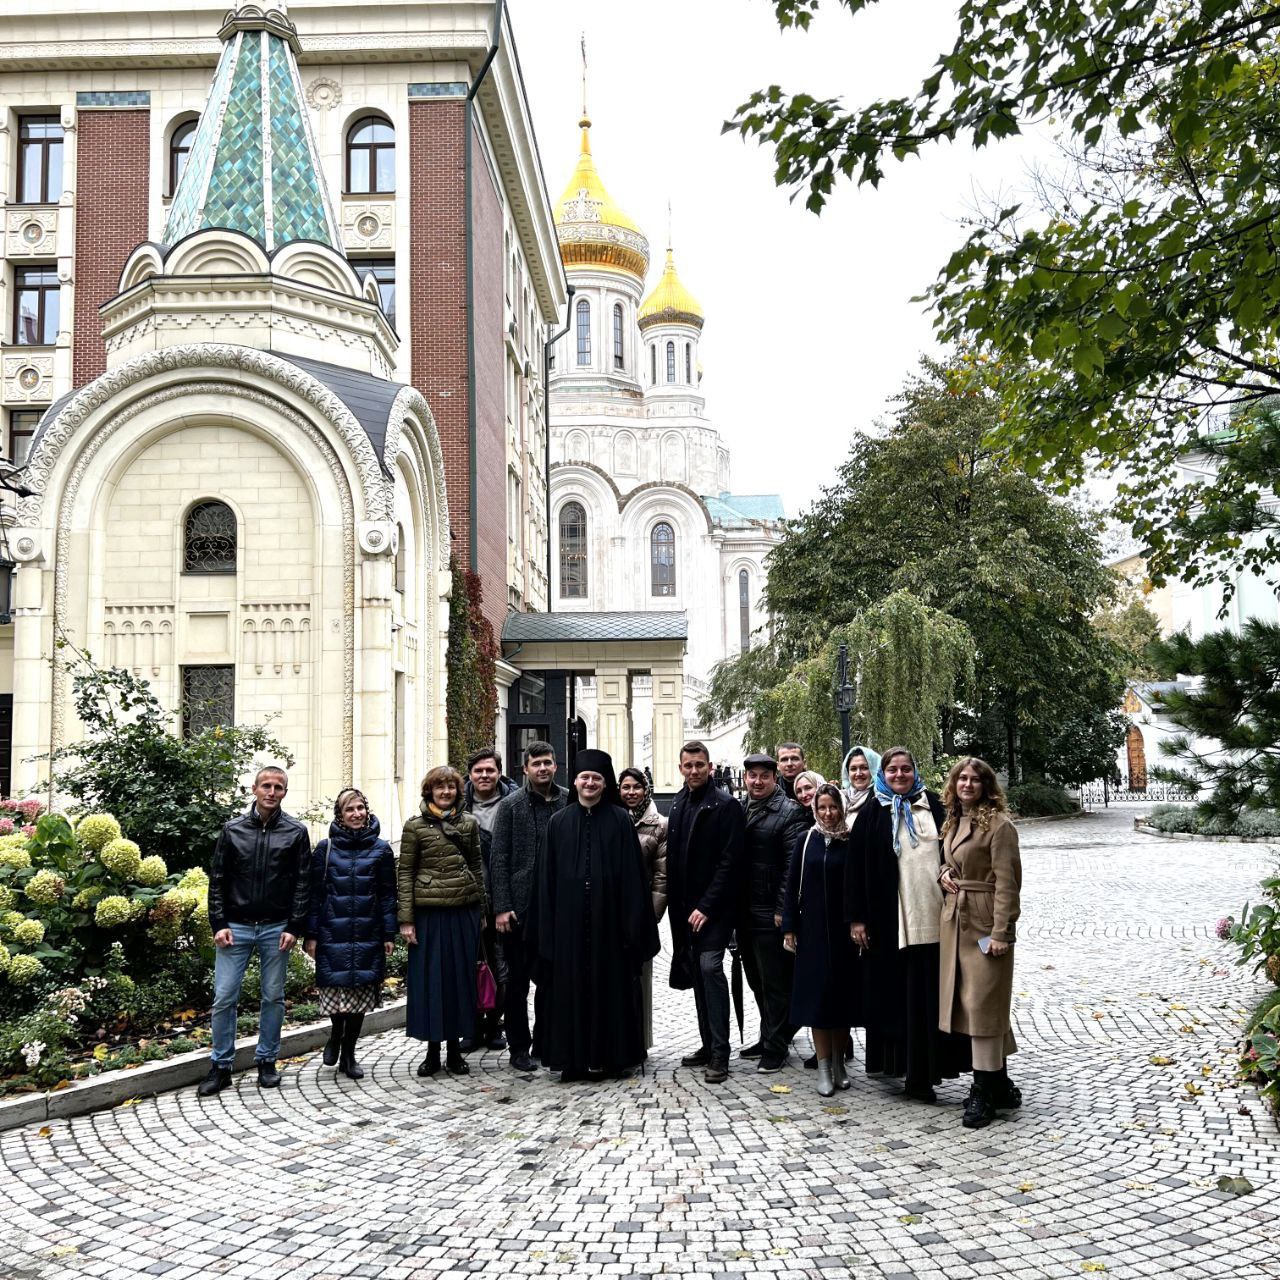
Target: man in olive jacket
{"x":704,"y":870}
{"x":519,"y":837}
{"x":259,"y":887}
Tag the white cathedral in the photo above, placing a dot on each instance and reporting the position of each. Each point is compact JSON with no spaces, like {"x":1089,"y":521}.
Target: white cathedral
{"x":642,"y":514}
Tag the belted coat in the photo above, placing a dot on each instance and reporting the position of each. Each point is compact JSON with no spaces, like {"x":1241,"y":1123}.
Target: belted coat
{"x":975,"y":990}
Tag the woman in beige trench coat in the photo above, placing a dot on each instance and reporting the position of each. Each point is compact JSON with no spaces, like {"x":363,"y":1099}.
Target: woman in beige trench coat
{"x":982,"y":878}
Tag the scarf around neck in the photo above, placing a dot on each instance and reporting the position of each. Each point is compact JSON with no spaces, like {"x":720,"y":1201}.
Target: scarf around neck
{"x":901,"y":805}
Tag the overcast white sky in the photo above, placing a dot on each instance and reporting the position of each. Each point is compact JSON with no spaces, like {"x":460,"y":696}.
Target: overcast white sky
{"x":810,"y":328}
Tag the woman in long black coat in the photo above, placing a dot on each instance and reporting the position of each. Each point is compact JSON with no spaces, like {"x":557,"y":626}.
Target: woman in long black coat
{"x":592,"y":929}
{"x":824,"y":994}
{"x":893,"y":905}
{"x":351,"y":927}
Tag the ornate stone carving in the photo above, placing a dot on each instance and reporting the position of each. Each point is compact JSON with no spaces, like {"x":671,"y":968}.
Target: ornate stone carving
{"x":324,"y":94}
{"x":25,"y":544}
{"x":139,"y":636}
{"x":378,"y":538}
{"x":191,"y":360}
{"x":275,"y":636}
{"x":31,"y":233}
{"x":368,"y":224}
{"x":28,"y":376}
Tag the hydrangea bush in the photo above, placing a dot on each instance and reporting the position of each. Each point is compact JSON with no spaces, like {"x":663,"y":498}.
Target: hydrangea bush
{"x":93,"y":932}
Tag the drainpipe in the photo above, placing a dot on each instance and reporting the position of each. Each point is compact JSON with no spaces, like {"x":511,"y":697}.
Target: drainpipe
{"x":546,"y":422}
{"x":468,"y":118}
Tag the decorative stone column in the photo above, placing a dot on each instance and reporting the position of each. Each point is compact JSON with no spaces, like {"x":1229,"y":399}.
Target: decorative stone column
{"x":375,"y":717}
{"x":613,"y":711}
{"x":668,"y":726}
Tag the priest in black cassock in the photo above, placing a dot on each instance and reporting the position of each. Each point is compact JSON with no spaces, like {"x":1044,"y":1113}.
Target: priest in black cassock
{"x":592,"y":929}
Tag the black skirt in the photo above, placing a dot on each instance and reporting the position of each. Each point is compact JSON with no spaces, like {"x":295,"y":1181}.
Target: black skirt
{"x":912,"y":1046}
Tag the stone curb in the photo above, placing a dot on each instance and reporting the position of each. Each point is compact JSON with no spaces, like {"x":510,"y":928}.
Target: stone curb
{"x":1143,"y":829}
{"x":172,"y":1073}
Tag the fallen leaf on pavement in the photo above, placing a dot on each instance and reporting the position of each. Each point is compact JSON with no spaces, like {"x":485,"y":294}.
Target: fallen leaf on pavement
{"x":779,"y":1088}
{"x":130,"y":1102}
{"x":62,"y":1250}
{"x":1093,"y":1266}
{"x":1193,"y":1089}
{"x":45,"y":1132}
{"x":1159,"y":1060}
{"x":1237,"y":1186}
{"x":1024,"y":1187}
{"x":910,"y":1219}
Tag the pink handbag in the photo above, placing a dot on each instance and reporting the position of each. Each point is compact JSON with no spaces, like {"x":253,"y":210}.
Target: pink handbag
{"x":486,"y":987}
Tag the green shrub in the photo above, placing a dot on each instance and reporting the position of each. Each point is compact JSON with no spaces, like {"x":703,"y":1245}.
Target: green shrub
{"x":1258,"y":822}
{"x":1173,"y":818}
{"x":299,"y":977}
{"x":1036,"y":798}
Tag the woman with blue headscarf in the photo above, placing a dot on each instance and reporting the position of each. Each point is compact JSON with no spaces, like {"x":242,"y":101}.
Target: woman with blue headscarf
{"x":893,"y":906}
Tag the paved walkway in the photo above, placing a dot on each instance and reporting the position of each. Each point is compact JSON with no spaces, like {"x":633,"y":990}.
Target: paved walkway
{"x":1111,"y":1164}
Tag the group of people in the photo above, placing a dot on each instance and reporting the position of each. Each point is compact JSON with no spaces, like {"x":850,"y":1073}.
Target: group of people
{"x":870,"y":903}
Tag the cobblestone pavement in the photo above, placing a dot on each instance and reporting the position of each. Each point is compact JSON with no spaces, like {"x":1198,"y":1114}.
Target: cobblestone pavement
{"x":1110,"y":1165}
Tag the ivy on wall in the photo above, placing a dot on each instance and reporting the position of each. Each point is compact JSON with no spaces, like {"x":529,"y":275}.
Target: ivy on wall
{"x":471,"y":699}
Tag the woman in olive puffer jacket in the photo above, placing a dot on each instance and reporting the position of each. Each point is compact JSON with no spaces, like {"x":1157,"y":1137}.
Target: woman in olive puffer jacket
{"x":441,"y":903}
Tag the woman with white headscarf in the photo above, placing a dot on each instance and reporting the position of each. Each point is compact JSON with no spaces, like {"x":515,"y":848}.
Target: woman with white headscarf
{"x":893,"y":906}
{"x":858,"y":777}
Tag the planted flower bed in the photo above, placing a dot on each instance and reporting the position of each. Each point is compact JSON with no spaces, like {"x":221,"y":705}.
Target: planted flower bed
{"x":106,"y":959}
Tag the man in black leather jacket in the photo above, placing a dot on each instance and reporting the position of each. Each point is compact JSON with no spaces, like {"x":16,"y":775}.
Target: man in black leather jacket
{"x":258,"y":890}
{"x":774,"y":827}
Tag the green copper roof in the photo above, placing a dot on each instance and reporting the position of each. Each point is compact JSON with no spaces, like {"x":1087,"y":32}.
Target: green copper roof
{"x":253,"y":165}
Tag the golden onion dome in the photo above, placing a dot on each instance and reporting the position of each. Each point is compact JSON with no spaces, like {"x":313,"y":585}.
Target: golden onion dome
{"x":670,"y":302}
{"x":593,"y":230}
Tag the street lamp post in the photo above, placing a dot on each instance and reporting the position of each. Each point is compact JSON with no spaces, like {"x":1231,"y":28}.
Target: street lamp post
{"x":843,"y":698}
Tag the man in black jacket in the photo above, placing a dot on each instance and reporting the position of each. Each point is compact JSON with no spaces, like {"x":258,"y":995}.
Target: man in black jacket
{"x":790,"y":757}
{"x":774,"y":826}
{"x":519,"y":836}
{"x":704,"y":867}
{"x":485,"y":789}
{"x":258,"y":892}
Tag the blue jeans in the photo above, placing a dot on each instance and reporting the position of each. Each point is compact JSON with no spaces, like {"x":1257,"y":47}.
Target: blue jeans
{"x":229,"y":965}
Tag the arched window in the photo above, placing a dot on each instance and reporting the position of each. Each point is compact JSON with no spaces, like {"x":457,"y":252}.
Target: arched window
{"x":573,"y":551}
{"x":671,"y":361}
{"x":371,"y":156}
{"x":653,"y":363}
{"x":209,"y":539}
{"x":619,"y":351}
{"x":180,"y":151}
{"x":662,"y":559}
{"x":688,"y":363}
{"x":584,"y":331}
{"x":744,"y":610}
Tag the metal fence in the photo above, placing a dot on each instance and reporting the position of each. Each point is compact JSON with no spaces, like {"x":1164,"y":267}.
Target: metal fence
{"x":1104,"y":792}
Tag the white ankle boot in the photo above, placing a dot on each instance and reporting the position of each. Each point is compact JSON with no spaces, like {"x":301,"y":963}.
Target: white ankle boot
{"x":840,"y":1076}
{"x":826,"y":1086}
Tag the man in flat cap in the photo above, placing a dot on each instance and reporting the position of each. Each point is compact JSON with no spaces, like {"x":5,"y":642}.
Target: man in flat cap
{"x":774,"y":826}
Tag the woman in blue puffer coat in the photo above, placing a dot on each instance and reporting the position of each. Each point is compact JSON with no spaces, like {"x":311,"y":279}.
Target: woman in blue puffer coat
{"x":352,"y":924}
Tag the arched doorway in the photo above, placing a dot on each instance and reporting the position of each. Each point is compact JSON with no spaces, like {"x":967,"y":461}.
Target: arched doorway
{"x":1136,"y":750}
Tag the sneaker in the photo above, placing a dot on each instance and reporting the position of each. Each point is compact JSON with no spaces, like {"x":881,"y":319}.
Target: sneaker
{"x":523,"y":1062}
{"x":717,"y":1071}
{"x":217,"y":1080}
{"x":770,"y":1063}
{"x":699,"y":1059}
{"x":268,"y":1076}
{"x":752,"y":1050}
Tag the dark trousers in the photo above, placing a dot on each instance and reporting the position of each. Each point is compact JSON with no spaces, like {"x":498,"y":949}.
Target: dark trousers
{"x":711,"y":995}
{"x":770,"y":970}
{"x":516,"y":1004}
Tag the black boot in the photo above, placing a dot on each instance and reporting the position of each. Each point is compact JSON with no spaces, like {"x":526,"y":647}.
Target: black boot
{"x":334,"y":1045}
{"x":350,"y":1034}
{"x":1007,"y":1095}
{"x":454,"y":1063}
{"x":978,"y":1109}
{"x":431,"y":1063}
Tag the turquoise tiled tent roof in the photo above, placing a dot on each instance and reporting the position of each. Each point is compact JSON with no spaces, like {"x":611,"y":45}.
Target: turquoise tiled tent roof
{"x":740,"y":509}
{"x":253,"y":165}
